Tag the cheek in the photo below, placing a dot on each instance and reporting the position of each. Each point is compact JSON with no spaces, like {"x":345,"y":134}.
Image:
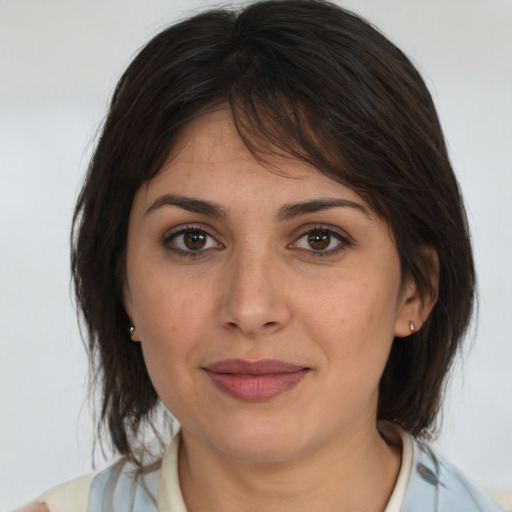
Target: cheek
{"x":353,"y":324}
{"x":168,"y":308}
{"x":171,"y":327}
{"x":355,"y":306}
{"x":171,"y":319}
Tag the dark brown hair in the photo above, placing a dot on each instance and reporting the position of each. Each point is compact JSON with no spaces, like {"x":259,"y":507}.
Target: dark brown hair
{"x":306,"y":79}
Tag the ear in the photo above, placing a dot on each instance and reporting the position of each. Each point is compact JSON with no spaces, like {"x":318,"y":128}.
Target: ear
{"x":415,"y":307}
{"x":128,"y":306}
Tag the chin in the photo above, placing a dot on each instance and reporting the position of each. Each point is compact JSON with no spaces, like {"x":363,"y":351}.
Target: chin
{"x":260,"y":442}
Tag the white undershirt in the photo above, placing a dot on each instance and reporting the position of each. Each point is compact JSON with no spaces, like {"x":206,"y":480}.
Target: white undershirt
{"x":398,"y":494}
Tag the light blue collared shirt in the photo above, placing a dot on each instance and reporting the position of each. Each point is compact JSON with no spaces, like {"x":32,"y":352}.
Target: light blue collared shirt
{"x":434,"y":485}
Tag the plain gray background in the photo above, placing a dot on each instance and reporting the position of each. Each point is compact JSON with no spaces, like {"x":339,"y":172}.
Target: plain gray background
{"x":59,"y":61}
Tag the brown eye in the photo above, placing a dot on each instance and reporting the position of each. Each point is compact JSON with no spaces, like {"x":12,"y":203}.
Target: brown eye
{"x":191,"y":241}
{"x":319,"y":240}
{"x":194,"y":240}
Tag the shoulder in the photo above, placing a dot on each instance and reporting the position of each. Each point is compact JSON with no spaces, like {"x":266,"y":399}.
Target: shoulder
{"x":35,"y":506}
{"x":436,"y":484}
{"x":118,"y":487}
{"x":72,"y":495}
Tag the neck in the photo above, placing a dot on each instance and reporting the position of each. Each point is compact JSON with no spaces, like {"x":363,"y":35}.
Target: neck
{"x":335,"y":477}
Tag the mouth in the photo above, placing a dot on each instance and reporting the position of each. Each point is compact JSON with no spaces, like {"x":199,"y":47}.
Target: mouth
{"x":255,"y":381}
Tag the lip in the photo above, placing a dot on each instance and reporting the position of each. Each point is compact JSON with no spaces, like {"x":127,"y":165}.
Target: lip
{"x":255,"y":381}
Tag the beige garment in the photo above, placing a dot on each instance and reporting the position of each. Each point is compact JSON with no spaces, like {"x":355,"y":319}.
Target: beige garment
{"x":69,"y":496}
{"x":170,"y":498}
{"x":501,"y":496}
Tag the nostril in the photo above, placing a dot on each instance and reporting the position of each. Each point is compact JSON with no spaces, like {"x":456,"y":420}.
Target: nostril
{"x":270,"y":324}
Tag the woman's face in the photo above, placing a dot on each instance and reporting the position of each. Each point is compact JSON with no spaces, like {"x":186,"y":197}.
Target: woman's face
{"x":266,"y":304}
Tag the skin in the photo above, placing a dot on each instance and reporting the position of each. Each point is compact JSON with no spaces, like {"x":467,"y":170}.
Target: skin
{"x":259,"y":290}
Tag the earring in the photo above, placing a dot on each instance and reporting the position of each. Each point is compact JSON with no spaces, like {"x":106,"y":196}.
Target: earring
{"x":412,"y":327}
{"x":131,"y":330}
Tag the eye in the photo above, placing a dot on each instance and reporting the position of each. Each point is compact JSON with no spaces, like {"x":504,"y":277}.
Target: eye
{"x":321,"y":241}
{"x":190,"y":240}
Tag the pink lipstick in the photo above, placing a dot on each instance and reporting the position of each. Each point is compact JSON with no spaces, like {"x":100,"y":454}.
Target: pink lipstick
{"x":255,"y":381}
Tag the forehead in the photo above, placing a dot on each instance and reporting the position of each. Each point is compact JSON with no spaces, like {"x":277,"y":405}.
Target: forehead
{"x":209,"y":137}
{"x":210,"y":159}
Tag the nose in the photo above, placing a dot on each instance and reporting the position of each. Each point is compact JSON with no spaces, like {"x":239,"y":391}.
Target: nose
{"x":254,"y":296}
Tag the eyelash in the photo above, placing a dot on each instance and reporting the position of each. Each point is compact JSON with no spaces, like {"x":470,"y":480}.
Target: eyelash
{"x":343,"y":240}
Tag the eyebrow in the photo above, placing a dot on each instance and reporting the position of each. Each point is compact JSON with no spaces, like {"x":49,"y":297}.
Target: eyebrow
{"x":286,"y":212}
{"x":289,"y":211}
{"x":190,"y":204}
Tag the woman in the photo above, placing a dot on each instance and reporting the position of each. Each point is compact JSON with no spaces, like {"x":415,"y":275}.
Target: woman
{"x":271,"y":243}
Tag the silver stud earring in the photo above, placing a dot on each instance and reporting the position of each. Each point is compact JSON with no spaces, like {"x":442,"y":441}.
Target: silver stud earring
{"x":412,"y":327}
{"x":131,"y":330}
